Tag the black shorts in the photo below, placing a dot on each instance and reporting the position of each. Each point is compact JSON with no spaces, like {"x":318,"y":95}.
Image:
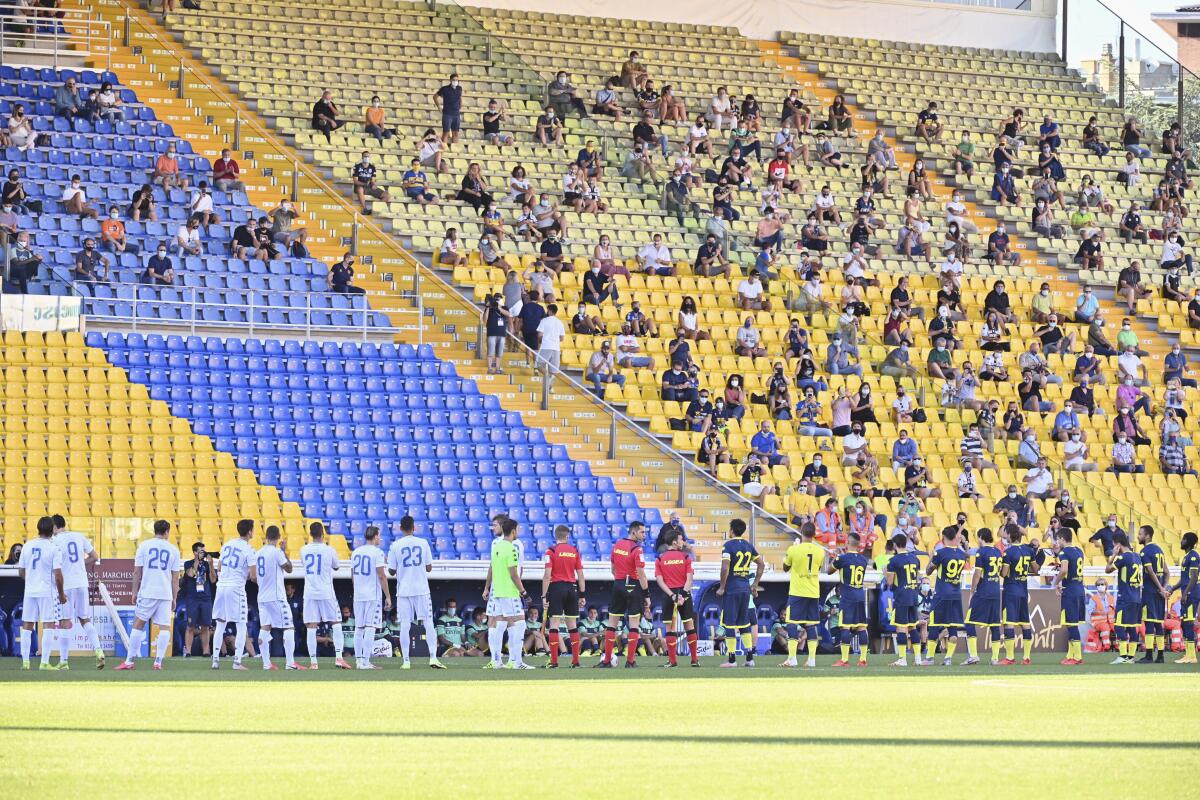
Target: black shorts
{"x":562,"y":600}
{"x":684,"y":610}
{"x":627,"y":598}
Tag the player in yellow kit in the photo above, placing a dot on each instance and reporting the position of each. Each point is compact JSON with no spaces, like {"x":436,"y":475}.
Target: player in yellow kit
{"x":804,"y":560}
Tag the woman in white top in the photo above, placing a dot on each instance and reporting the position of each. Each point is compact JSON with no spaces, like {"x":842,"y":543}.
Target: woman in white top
{"x":720,"y":110}
{"x":956,"y":211}
{"x":448,"y":254}
{"x":688,"y":321}
{"x":429,"y":151}
{"x":108,"y":103}
{"x":685,"y":164}
{"x":1131,"y":172}
{"x":520,"y":188}
{"x":20,"y":129}
{"x":698,"y":141}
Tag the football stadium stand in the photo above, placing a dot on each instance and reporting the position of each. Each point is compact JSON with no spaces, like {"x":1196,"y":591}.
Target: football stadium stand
{"x":341,"y":431}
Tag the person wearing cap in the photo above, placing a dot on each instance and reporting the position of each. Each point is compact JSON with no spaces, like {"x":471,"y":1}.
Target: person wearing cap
{"x":602,"y":369}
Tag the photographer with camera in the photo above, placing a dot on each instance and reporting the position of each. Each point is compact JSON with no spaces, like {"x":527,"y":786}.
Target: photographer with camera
{"x":196,"y":591}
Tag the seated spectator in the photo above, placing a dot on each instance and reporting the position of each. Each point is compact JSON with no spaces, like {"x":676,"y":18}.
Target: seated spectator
{"x":541,"y":281}
{"x":112,"y":234}
{"x":608,"y":101}
{"x":1039,"y":482}
{"x":827,"y":154}
{"x":1086,"y":306}
{"x":226,"y":172}
{"x":1054,"y":338}
{"x":1004,"y":187}
{"x":1172,"y":287}
{"x":14,"y":194}
{"x":373,"y":121}
{"x":1087,"y":366}
{"x":166,"y":171}
{"x":639,"y":323}
{"x":75,"y":201}
{"x":201,"y":206}
{"x":655,"y":258}
{"x":929,"y":127}
{"x":325,"y":116}
{"x":20,"y":130}
{"x":364,"y":173}
{"x":1076,"y":456}
{"x":1124,"y":455}
{"x":639,"y":165}
{"x":1131,"y":139}
{"x":1092,"y":139}
{"x":633,"y":72}
{"x":749,"y":341}
{"x":1066,"y":422}
{"x":842,"y":357}
{"x":1175,"y":367}
{"x":244,"y":243}
{"x":159,"y":269}
{"x":678,"y":384}
{"x":69,"y":102}
{"x":87,"y":261}
{"x":187,"y":238}
{"x":752,"y":294}
{"x":587,"y":324}
{"x":1084,"y":398}
{"x":1029,"y":390}
{"x":562,"y":96}
{"x":629,"y":351}
{"x":416,"y":184}
{"x":23,"y":264}
{"x":1172,"y":457}
{"x":764,"y":446}
{"x":999,"y":249}
{"x":997,"y":301}
{"x":341,"y":276}
{"x":676,"y":198}
{"x":602,"y":369}
{"x":712,"y":451}
{"x":896,"y":364}
{"x":548,"y":129}
{"x":429,"y":151}
{"x":474,"y":191}
{"x":720,"y":110}
{"x":710,"y":261}
{"x":142,"y":207}
{"x":262,"y":235}
{"x":1132,"y":227}
{"x":939,"y":364}
{"x":108,"y":103}
{"x":598,"y":286}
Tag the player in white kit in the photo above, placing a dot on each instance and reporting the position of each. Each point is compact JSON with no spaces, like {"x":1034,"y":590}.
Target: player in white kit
{"x":234,"y":568}
{"x":320,"y":601}
{"x":410,"y":560}
{"x":77,"y":555}
{"x":40,"y":566}
{"x":273,"y":609}
{"x":368,"y":567}
{"x":156,"y":571}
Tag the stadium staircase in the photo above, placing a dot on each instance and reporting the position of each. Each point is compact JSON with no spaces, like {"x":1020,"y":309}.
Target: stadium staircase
{"x":574,"y":419}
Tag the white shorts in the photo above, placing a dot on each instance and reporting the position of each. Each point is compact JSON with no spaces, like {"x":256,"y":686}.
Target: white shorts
{"x":275,"y":614}
{"x":752,"y":489}
{"x":229,"y":605}
{"x":39,"y":609}
{"x":504,"y":607}
{"x":156,"y":611}
{"x":77,"y":606}
{"x":417,"y":606}
{"x":368,"y":613}
{"x":317,"y":610}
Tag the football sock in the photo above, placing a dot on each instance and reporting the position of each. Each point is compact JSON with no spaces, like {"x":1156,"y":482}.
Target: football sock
{"x":136,"y":637}
{"x":973,"y":645}
{"x":793,"y":646}
{"x":64,"y":644}
{"x":161,"y":645}
{"x":1189,"y":648}
{"x":1010,"y":645}
{"x":862,"y":644}
{"x":339,"y":641}
{"x":49,"y":642}
{"x":368,"y":643}
{"x":902,"y":645}
{"x":845,"y":644}
{"x":812,"y":646}
{"x":1162,"y":642}
{"x":1027,"y":645}
{"x":672,"y":641}
{"x":555,"y":643}
{"x":495,"y":639}
{"x":239,"y":641}
{"x":575,"y":640}
{"x":218,"y":638}
{"x":289,"y":646}
{"x":312,"y":645}
{"x":405,"y":638}
{"x":516,"y":641}
{"x":631,"y":648}
{"x":358,"y":647}
{"x":996,"y":643}
{"x":430,"y":636}
{"x":610,"y":640}
{"x":951,"y":644}
{"x":264,"y":646}
{"x":748,"y":645}
{"x":930,"y":648}
{"x":89,"y":630}
{"x":26,"y":644}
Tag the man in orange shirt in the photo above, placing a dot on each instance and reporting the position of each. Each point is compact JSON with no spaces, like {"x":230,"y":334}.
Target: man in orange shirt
{"x":112,"y":234}
{"x":374,"y":121}
{"x":829,"y":525}
{"x":1102,"y":615}
{"x":166,"y":171}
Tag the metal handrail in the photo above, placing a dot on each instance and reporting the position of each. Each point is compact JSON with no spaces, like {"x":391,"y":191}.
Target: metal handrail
{"x":194,"y":305}
{"x":94,"y":31}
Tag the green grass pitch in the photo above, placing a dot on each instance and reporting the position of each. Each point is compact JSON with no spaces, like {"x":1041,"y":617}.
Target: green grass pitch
{"x":1095,"y":731}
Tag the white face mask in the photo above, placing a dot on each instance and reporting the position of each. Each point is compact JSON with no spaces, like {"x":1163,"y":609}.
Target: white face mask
{"x":112,"y":215}
{"x":162,"y":253}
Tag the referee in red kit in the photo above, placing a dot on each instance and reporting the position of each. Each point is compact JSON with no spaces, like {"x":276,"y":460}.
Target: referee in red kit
{"x":562,"y":586}
{"x":673,"y":573}
{"x":628,"y":594}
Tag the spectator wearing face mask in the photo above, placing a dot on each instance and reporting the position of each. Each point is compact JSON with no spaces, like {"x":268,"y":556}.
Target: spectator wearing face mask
{"x":548,"y":128}
{"x":1016,"y":503}
{"x":1104,"y":536}
{"x":187,"y":238}
{"x":448,"y":100}
{"x":226,"y":173}
{"x":75,"y":201}
{"x":23,"y":264}
{"x":159,"y":269}
{"x":373,"y":120}
{"x":112,"y":234}
{"x":602,"y":369}
{"x":88,"y":261}
{"x":1127,"y":429}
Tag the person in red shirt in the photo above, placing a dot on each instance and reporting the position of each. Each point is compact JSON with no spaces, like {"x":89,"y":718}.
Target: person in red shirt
{"x":628,"y":594}
{"x":562,"y":585}
{"x":226,"y":172}
{"x":778,"y":171}
{"x":673,"y":573}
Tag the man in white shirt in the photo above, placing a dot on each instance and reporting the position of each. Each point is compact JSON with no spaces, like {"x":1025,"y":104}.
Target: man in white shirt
{"x":234,"y":568}
{"x":369,"y":570}
{"x":77,"y":555}
{"x":655,"y":258}
{"x":187,"y":238}
{"x":1130,"y":367}
{"x":966,"y":482}
{"x":751,"y":295}
{"x":410,"y":559}
{"x":952,"y":271}
{"x":156,"y":570}
{"x":629,"y":351}
{"x":550,"y":333}
{"x":320,"y":561}
{"x":1039,"y":482}
{"x":748,"y":340}
{"x":40,"y":566}
{"x":202,"y":206}
{"x":273,"y":608}
{"x":75,"y":201}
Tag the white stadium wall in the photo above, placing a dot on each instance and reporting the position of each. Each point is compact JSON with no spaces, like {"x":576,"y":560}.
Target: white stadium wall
{"x":896,"y":20}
